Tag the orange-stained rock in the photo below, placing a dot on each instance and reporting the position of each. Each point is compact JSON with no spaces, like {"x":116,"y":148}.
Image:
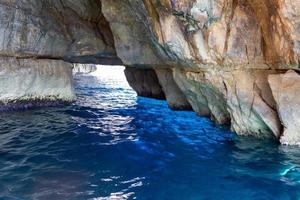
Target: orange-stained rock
{"x":250,"y":103}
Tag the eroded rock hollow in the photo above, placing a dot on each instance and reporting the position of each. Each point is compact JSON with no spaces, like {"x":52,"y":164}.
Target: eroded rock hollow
{"x":235,"y":61}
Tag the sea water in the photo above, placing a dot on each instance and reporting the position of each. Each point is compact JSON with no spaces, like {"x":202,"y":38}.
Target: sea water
{"x":113,"y":145}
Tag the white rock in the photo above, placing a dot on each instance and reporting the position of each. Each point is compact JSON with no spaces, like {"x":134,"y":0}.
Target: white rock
{"x":27,"y":81}
{"x":84,"y":68}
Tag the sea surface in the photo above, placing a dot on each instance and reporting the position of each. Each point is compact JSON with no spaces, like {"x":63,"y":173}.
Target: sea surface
{"x":113,"y":145}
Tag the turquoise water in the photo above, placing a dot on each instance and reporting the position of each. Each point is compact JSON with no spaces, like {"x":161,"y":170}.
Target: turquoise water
{"x":113,"y":145}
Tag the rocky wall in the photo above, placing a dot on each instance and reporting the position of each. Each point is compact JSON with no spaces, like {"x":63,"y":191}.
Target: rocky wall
{"x":228,"y":59}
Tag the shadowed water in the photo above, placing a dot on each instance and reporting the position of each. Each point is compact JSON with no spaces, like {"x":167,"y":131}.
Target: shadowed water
{"x":113,"y":145}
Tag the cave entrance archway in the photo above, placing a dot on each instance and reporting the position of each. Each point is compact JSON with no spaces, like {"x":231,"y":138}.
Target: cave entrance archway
{"x":144,"y":81}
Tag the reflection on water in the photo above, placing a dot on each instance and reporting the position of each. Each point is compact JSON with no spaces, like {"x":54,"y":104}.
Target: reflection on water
{"x":111,"y":144}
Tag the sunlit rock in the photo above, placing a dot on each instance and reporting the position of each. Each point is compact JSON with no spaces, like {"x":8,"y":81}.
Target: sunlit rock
{"x":286,"y":91}
{"x":244,"y":43}
{"x":174,"y":38}
{"x":28,"y":83}
{"x":130,"y":27}
{"x":220,"y":51}
{"x":84,"y":68}
{"x":251,"y":104}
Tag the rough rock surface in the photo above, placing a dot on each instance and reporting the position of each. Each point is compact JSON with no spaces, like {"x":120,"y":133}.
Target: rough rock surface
{"x":240,"y":97}
{"x":84,"y":68}
{"x":220,"y":51}
{"x":68,"y":30}
{"x":174,"y":96}
{"x":201,"y":90}
{"x":144,"y":82}
{"x":251,"y":104}
{"x":27,"y":82}
{"x":286,"y":91}
{"x":206,"y":33}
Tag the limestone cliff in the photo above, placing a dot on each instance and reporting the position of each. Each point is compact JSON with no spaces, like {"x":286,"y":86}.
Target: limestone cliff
{"x":74,"y":31}
{"x":221,"y":53}
{"x":227,"y":59}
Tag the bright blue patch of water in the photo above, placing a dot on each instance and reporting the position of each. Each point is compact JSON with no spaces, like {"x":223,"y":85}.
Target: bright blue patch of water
{"x":112,"y":145}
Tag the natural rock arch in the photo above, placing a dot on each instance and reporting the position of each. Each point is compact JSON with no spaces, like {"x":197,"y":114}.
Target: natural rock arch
{"x":213,"y":55}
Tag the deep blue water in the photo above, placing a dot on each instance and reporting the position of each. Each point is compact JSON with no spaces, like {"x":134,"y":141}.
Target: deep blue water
{"x":113,"y":145}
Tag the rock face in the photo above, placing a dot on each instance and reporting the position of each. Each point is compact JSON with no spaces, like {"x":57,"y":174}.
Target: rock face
{"x":250,"y":103}
{"x":174,"y":96}
{"x":221,"y":52}
{"x":206,"y":33}
{"x":240,"y":97}
{"x":84,"y":68}
{"x":216,"y":55}
{"x":202,"y":93}
{"x":286,"y":90}
{"x":36,"y":35}
{"x":68,"y":30}
{"x":29,"y":83}
{"x":144,"y":82}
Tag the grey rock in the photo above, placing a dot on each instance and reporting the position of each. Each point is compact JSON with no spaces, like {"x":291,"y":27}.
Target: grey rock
{"x":174,"y":96}
{"x":144,"y":82}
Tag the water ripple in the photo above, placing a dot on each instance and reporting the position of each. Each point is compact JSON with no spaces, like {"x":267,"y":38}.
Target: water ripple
{"x":113,"y":145}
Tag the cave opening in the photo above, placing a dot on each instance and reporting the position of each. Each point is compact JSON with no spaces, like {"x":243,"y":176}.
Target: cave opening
{"x":93,"y":90}
{"x":143,"y":81}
